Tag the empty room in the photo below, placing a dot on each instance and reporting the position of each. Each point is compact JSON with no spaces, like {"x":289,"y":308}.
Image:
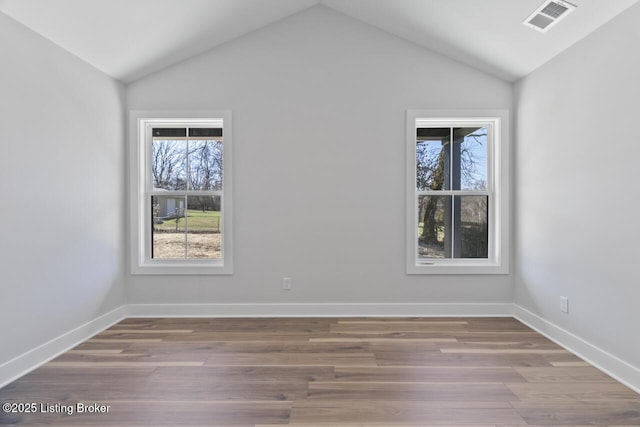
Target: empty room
{"x":306,"y":213}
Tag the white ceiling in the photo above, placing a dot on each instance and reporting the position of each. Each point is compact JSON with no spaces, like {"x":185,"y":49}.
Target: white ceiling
{"x":128,"y":39}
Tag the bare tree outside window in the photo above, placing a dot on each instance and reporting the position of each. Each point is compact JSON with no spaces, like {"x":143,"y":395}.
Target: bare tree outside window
{"x":205,"y":165}
{"x":168,"y":164}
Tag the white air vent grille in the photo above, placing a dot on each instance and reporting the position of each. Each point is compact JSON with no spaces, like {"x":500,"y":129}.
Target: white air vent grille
{"x":554,"y":10}
{"x":540,"y":21}
{"x":548,"y":14}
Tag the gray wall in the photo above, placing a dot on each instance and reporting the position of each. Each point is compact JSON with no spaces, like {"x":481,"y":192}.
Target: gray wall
{"x":319,"y":105}
{"x":61,"y":180}
{"x":577,"y":190}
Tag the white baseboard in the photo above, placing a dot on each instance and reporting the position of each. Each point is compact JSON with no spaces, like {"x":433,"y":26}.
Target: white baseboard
{"x":319,"y":310}
{"x":19,"y":366}
{"x":611,"y":365}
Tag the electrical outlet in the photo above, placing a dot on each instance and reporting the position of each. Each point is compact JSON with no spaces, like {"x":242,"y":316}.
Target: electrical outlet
{"x":286,"y":283}
{"x":564,"y":304}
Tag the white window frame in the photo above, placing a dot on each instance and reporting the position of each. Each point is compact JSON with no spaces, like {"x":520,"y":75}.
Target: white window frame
{"x":140,"y":191}
{"x":498,"y":182}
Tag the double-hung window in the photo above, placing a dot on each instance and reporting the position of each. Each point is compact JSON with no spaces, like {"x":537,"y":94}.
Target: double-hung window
{"x":181,"y":193}
{"x":456,"y":193}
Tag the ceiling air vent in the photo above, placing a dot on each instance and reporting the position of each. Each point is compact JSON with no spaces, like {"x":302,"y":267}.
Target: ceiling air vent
{"x":549,"y":14}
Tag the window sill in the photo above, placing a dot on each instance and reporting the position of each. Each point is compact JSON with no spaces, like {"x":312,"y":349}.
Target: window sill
{"x":178,"y":268}
{"x":463,"y":267}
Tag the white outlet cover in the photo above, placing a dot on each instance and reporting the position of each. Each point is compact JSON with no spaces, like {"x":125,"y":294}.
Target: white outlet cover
{"x":564,"y":304}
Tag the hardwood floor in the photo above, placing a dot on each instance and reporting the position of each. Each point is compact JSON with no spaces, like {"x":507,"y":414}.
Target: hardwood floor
{"x":317,"y":372}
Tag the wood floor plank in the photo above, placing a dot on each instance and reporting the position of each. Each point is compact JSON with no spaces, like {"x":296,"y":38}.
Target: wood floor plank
{"x":118,"y":331}
{"x":395,"y":424}
{"x":408,"y":391}
{"x":566,"y":358}
{"x":503,"y":351}
{"x":71,"y":376}
{"x":215,"y":374}
{"x":169,"y":348}
{"x":388,"y":339}
{"x":528,"y":338}
{"x":120,"y":364}
{"x":575,"y":374}
{"x":98,"y":355}
{"x":427,"y":374}
{"x":605,"y":413}
{"x":134,"y":356}
{"x":102,"y":346}
{"x":96,"y":351}
{"x":461,"y":360}
{"x":292,"y":359}
{"x":378,"y":328}
{"x":564,"y":425}
{"x":246,"y":325}
{"x":499,"y":344}
{"x":124,"y":340}
{"x":572,"y":391}
{"x":496,"y":324}
{"x":419,"y":321}
{"x":399,"y":412}
{"x":433,"y":336}
{"x":254,"y":347}
{"x":212,"y":337}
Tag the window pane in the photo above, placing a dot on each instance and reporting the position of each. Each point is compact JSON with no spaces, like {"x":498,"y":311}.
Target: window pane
{"x":470,"y":158}
{"x":434,"y":224}
{"x":168,"y":164}
{"x":203,"y":232}
{"x":168,"y":229}
{"x":432,"y":158}
{"x":166,"y":133}
{"x":205,"y":165}
{"x":472,"y":231}
{"x":205,"y":132}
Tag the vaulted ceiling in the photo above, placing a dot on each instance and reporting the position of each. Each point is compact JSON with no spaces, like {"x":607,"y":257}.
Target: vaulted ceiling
{"x":128,"y":39}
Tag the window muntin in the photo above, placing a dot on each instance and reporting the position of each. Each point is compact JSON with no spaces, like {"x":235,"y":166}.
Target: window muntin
{"x":456,"y":217}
